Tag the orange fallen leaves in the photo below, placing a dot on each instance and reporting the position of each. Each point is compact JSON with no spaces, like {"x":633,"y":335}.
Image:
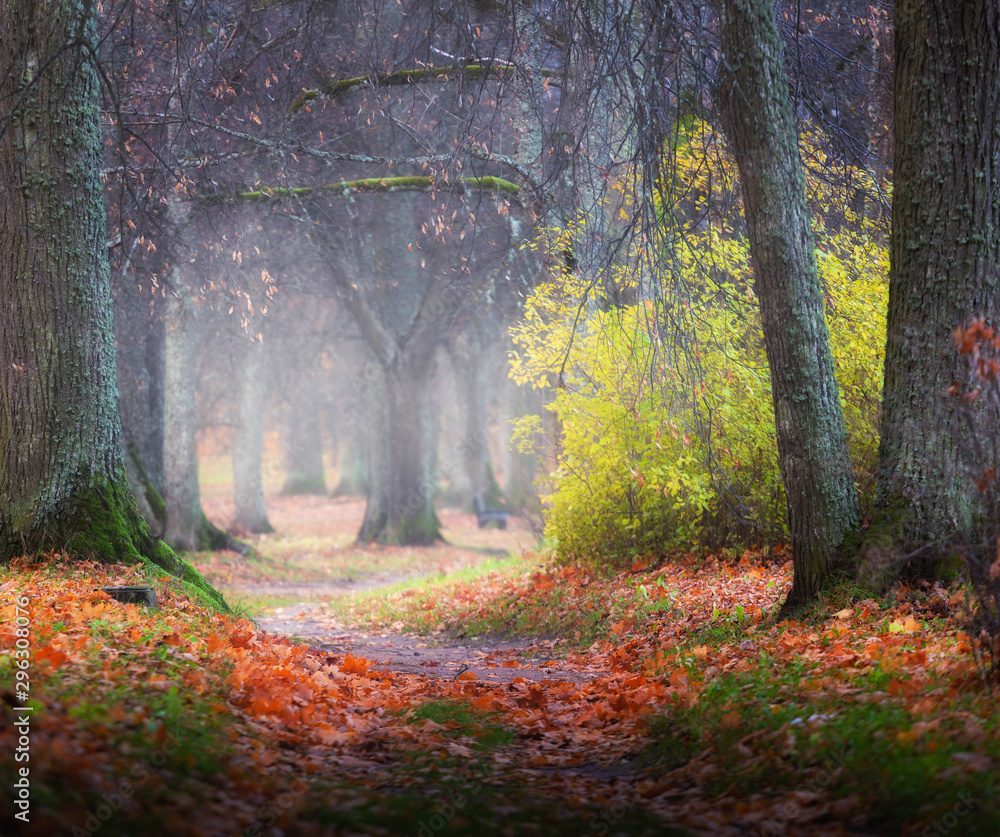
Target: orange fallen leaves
{"x":316,"y":711}
{"x":354,"y":665}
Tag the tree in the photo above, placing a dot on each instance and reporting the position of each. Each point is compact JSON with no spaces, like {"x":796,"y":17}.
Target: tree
{"x":139,"y":340}
{"x":812,"y":448}
{"x":945,"y":270}
{"x":248,"y":441}
{"x":62,"y":476}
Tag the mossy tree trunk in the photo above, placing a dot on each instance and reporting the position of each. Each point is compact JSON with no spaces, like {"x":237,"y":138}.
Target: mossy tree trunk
{"x":812,"y":447}
{"x":944,"y":270}
{"x":62,"y":475}
{"x":248,"y":443}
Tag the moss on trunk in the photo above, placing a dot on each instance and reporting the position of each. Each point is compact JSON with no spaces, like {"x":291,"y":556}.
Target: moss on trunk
{"x":944,"y":264}
{"x":372,"y":185}
{"x":104,"y":524}
{"x":154,"y":499}
{"x":423,"y":529}
{"x":876,"y":555}
{"x":885,"y":550}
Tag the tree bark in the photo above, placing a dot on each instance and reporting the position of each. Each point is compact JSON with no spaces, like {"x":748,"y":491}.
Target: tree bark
{"x":944,"y":270}
{"x":812,"y":447}
{"x":302,"y":452}
{"x":248,"y":444}
{"x":400,"y":507}
{"x":62,"y":476}
{"x":187,"y":527}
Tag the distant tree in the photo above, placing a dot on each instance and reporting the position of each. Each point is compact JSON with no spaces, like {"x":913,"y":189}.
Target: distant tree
{"x":248,"y":440}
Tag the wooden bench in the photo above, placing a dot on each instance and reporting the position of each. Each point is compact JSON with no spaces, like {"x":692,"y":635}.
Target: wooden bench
{"x":485,"y":515}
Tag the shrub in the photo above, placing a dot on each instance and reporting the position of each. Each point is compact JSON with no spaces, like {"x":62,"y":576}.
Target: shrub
{"x":666,"y":435}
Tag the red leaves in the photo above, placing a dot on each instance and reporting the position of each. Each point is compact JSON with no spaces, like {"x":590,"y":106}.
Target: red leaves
{"x":53,"y":657}
{"x":982,"y":342}
{"x":534,"y":699}
{"x":968,"y":339}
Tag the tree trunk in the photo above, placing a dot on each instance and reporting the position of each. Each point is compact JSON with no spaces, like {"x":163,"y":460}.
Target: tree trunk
{"x":187,"y":527}
{"x":945,"y":269}
{"x":469,"y":363}
{"x":519,"y":470}
{"x":812,"y":447}
{"x":302,"y":453}
{"x":400,"y":508}
{"x":62,"y":476}
{"x":139,"y":337}
{"x":248,"y":444}
{"x":352,"y":458}
{"x":180,"y":433}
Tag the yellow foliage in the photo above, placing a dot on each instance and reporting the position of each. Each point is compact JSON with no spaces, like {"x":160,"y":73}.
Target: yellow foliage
{"x":669,"y":443}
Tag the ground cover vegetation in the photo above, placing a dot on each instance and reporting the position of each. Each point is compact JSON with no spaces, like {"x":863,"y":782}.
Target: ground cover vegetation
{"x":676,"y":699}
{"x":755,"y":419}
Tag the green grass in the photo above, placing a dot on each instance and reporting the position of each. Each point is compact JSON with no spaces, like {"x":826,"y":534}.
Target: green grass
{"x":252,"y":606}
{"x":861,"y":747}
{"x":461,"y":721}
{"x":476,"y":807}
{"x":401,"y":602}
{"x":544,"y":614}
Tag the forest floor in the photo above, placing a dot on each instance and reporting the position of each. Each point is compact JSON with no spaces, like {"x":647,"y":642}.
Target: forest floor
{"x":475,"y":687}
{"x":302,"y":574}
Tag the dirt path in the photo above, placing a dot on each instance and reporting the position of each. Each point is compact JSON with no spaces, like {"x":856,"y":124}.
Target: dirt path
{"x":491,"y":660}
{"x":313,"y":558}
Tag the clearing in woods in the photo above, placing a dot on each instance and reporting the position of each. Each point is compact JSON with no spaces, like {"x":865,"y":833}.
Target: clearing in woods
{"x":302,"y":574}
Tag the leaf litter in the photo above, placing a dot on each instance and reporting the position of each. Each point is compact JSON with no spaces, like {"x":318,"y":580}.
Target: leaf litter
{"x":674,"y":698}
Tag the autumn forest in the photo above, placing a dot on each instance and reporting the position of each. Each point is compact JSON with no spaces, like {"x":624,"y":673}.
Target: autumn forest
{"x":499,"y":417}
